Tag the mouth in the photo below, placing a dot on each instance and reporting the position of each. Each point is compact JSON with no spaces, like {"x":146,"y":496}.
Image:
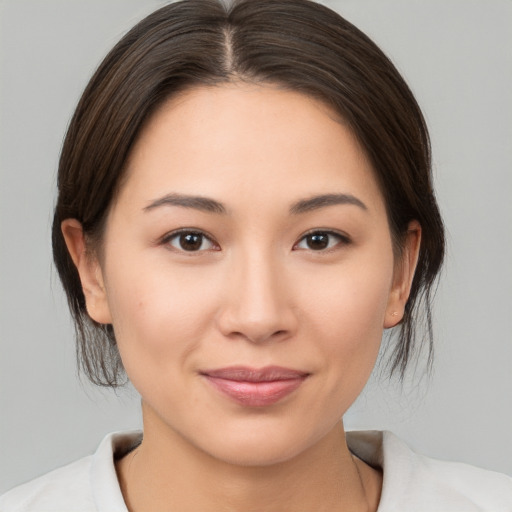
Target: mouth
{"x":255,"y":387}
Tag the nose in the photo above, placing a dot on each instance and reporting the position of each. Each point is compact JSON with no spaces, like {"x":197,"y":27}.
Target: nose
{"x":258,"y":305}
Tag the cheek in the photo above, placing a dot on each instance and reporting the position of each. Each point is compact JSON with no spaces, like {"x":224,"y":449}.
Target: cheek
{"x":351,"y":299}
{"x":159,"y":314}
{"x":348,"y":310}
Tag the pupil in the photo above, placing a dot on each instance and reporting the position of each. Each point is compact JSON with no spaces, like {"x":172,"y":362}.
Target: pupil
{"x":191,"y":241}
{"x":318,"y":241}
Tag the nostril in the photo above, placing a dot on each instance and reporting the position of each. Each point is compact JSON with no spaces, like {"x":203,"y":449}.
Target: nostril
{"x":258,"y":337}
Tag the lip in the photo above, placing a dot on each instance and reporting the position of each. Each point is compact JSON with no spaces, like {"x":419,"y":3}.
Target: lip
{"x":255,"y":387}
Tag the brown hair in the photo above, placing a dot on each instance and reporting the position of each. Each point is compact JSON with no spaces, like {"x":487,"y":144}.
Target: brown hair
{"x":296,"y":44}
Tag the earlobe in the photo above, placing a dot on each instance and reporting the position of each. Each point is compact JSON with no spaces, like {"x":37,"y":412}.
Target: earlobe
{"x":403,"y":276}
{"x":89,"y":270}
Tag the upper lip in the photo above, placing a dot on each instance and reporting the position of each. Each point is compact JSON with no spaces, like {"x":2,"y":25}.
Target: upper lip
{"x":248,"y":374}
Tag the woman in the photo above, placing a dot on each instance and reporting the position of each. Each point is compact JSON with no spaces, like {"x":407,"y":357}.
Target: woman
{"x":245,"y":203}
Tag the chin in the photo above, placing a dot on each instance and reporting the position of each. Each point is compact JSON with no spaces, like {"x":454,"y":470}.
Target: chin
{"x":256,"y":454}
{"x":262,"y":445}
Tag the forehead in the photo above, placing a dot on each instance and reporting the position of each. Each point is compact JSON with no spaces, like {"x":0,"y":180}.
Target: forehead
{"x":240,"y":141}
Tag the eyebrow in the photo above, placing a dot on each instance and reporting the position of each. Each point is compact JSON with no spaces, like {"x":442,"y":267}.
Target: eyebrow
{"x":204,"y":204}
{"x":324,"y":200}
{"x":209,"y":205}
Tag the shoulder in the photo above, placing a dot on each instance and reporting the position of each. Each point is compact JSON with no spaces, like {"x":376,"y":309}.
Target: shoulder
{"x":87,"y":485}
{"x":415,"y":482}
{"x":67,"y":487}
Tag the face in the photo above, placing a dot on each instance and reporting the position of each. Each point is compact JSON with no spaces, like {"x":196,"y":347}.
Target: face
{"x":247,"y":270}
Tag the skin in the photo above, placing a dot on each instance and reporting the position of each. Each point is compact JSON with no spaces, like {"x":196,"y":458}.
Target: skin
{"x":254,"y":294}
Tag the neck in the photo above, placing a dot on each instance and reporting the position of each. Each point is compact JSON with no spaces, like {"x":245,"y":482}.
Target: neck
{"x":167,"y":473}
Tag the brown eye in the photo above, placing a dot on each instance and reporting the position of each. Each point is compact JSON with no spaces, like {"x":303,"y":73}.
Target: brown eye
{"x":190,"y":241}
{"x":321,"y":240}
{"x":317,"y":241}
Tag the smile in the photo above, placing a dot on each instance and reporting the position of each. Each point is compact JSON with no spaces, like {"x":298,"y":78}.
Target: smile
{"x":253,"y":387}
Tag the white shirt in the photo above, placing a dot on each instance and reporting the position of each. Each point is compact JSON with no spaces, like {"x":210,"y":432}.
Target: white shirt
{"x":411,"y":483}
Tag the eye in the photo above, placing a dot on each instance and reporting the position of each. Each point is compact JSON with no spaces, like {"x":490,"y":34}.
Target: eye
{"x":189,"y":241}
{"x":321,"y":241}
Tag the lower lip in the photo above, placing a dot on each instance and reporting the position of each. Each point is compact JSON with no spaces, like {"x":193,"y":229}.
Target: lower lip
{"x":256,"y":394}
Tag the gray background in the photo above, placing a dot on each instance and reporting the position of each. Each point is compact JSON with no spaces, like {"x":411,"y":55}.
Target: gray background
{"x":457,"y":57}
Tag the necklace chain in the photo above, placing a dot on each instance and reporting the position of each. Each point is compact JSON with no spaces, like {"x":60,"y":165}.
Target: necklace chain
{"x":135,"y":451}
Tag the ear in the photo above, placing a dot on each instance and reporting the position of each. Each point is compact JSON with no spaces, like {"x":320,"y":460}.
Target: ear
{"x":90,"y":272}
{"x":403,"y":276}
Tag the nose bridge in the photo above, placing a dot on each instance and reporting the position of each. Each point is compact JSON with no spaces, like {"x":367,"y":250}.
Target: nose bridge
{"x":257,"y":305}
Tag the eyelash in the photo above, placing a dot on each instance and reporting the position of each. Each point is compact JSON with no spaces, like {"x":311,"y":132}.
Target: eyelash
{"x":176,"y":235}
{"x":342,"y":239}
